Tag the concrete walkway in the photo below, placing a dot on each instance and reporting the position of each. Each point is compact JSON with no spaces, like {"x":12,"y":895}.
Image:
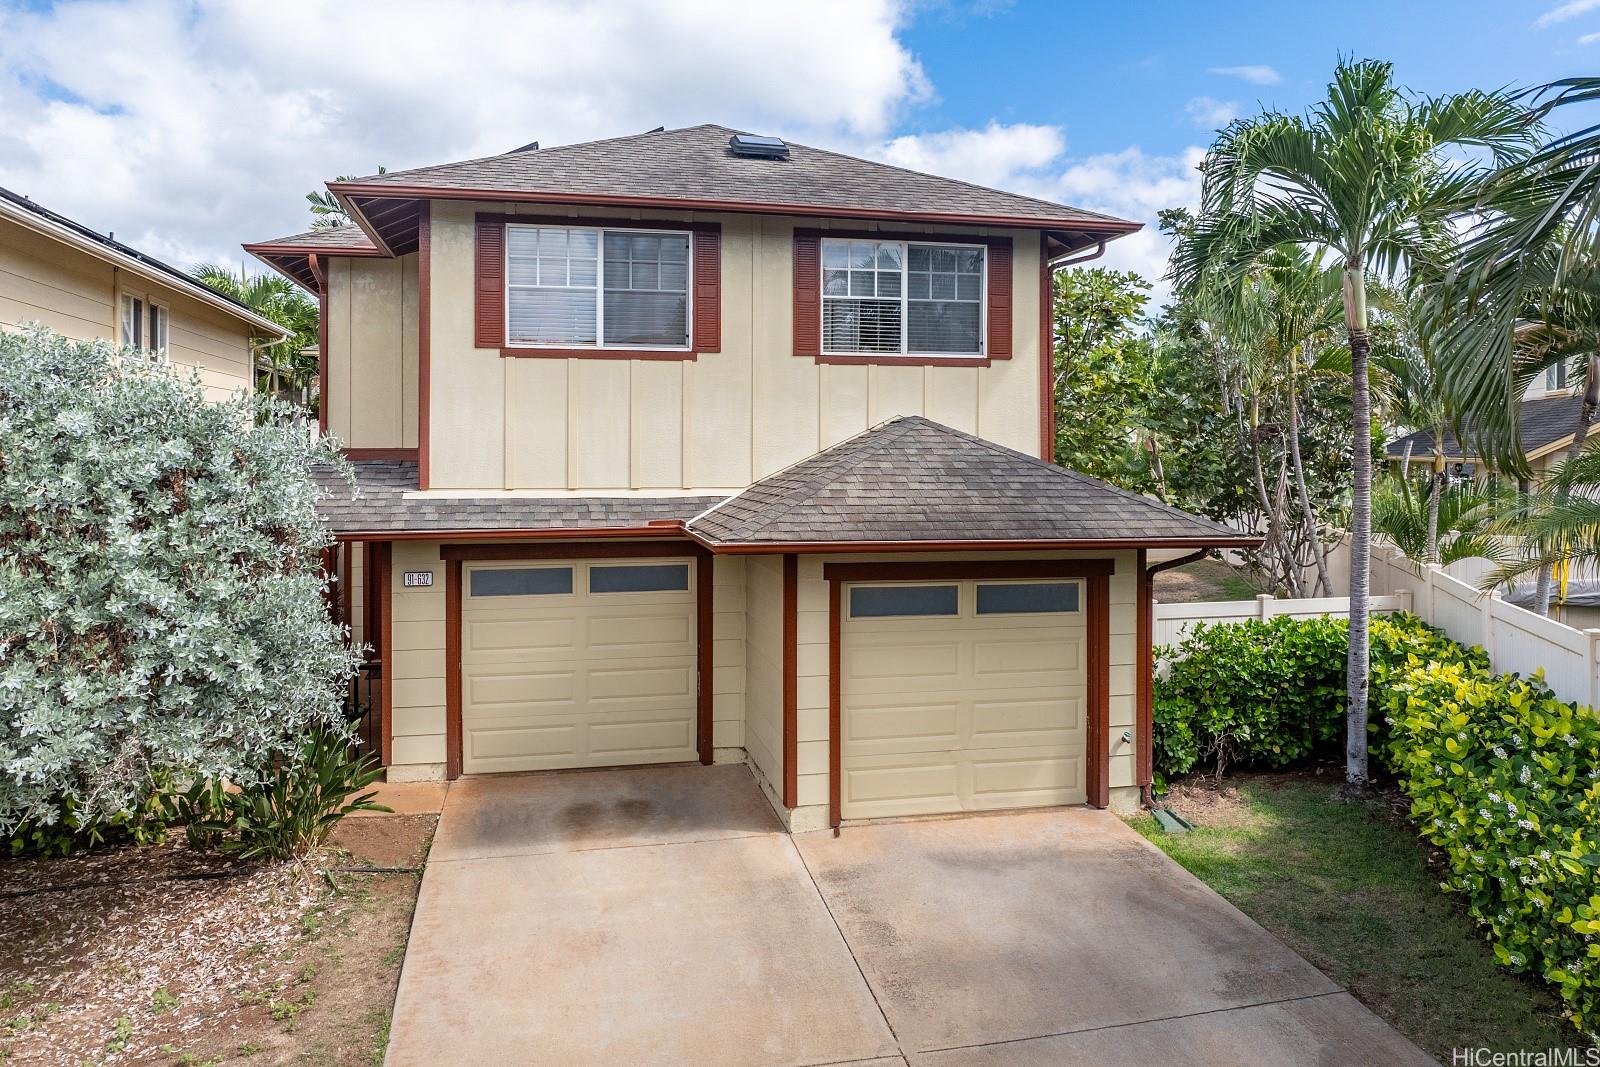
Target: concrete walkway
{"x":661,"y":916}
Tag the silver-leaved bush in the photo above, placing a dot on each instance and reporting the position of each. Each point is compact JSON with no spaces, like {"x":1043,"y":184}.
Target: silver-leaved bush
{"x":162,"y":601}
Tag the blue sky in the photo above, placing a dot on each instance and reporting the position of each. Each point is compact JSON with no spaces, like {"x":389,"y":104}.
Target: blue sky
{"x":189,"y":126}
{"x":1115,"y":73}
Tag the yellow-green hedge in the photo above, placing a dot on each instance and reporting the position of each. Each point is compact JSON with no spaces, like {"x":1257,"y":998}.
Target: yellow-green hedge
{"x":1505,"y":779}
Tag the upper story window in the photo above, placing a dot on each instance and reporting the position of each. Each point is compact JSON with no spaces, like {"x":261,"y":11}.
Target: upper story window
{"x":569,"y":286}
{"x":144,"y":325}
{"x":902,"y":298}
{"x":1555,"y":376}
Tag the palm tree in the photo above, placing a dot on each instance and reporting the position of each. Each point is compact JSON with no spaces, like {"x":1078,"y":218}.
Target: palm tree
{"x":284,"y":367}
{"x":1365,"y":177}
{"x":1437,"y":523}
{"x":327,"y":213}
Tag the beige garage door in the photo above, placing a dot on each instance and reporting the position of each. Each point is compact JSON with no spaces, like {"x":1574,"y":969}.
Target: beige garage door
{"x":577,"y":663}
{"x":962,"y":696}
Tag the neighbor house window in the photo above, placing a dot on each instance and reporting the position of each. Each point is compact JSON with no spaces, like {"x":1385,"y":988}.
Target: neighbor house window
{"x":902,"y":298}
{"x":1555,"y":377}
{"x":574,"y":287}
{"x":144,"y":325}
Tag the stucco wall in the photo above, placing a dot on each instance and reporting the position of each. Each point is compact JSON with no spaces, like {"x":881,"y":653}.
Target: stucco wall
{"x":372,"y":351}
{"x":43,"y":280}
{"x":718,"y":422}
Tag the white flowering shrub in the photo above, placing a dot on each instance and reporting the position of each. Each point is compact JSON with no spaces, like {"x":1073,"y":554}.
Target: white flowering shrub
{"x":161,"y":594}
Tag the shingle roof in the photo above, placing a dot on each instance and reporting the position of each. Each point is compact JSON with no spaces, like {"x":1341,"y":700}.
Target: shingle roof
{"x":1540,"y":423}
{"x":347,"y":238}
{"x":912,"y":479}
{"x":379,"y":505}
{"x":695,"y":164}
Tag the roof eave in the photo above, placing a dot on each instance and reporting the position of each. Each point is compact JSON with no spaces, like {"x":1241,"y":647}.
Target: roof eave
{"x":744,"y":548}
{"x":1108,"y":229}
{"x":105,"y":253}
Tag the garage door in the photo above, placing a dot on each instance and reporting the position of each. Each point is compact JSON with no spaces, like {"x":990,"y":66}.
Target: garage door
{"x":577,"y":663}
{"x":962,"y":696}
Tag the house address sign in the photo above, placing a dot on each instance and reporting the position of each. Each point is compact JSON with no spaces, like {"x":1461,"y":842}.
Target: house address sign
{"x":416,"y":578}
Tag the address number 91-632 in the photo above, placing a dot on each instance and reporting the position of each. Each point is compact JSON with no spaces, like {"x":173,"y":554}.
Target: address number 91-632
{"x":418,"y":578}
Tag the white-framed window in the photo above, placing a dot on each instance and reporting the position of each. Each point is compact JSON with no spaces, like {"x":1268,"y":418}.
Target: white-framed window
{"x":144,"y":325}
{"x":1555,"y":376}
{"x":911,"y":298}
{"x":597,"y":287}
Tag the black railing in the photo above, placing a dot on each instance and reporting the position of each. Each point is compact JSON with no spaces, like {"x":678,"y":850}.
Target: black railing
{"x":364,"y":704}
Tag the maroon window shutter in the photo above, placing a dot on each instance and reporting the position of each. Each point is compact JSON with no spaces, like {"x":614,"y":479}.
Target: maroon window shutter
{"x":999,"y":339}
{"x":490,"y":268}
{"x":807,"y":294}
{"x":707,"y":290}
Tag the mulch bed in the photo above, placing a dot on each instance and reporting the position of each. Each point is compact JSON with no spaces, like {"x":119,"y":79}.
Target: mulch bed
{"x":165,"y":955}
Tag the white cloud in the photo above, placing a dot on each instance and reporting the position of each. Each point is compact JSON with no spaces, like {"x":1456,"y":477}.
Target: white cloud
{"x":1210,"y":113}
{"x":1256,"y":73}
{"x":1589,"y":38}
{"x":1130,"y":184}
{"x":995,"y":155}
{"x":211,"y":128}
{"x":1562,"y":12}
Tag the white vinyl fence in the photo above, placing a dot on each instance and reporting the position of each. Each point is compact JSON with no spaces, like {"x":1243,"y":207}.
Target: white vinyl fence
{"x":1516,"y":639}
{"x":1174,"y":621}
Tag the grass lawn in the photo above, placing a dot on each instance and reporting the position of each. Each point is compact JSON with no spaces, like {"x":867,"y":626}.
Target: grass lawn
{"x":1346,"y":885}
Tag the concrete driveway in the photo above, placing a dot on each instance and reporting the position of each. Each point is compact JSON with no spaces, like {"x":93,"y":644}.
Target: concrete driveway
{"x":661,"y":916}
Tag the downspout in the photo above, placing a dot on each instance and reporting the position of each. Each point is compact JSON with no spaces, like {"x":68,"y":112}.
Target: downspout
{"x":1146,"y":796}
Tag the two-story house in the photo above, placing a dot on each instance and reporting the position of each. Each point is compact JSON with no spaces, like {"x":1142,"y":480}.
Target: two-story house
{"x":89,"y":286}
{"x":694,"y":445}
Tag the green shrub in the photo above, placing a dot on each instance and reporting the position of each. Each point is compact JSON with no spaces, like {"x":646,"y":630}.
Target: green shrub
{"x":1271,"y":694}
{"x":1504,"y":778}
{"x":290,"y":812}
{"x":68,"y":829}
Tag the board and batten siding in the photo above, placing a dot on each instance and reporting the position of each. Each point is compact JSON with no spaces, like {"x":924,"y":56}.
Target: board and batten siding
{"x":372,"y":351}
{"x":717,"y":422}
{"x":77,"y":295}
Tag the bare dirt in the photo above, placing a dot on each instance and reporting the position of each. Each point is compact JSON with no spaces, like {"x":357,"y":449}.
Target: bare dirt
{"x":162,"y":955}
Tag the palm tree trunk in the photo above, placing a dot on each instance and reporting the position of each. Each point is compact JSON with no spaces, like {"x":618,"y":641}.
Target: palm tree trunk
{"x":1356,"y":665}
{"x":1580,"y":432}
{"x":1324,"y":586}
{"x":1437,"y":486}
{"x":1405,"y":460}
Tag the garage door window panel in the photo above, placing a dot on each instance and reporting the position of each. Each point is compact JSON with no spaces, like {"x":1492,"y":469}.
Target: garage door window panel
{"x":1029,"y":598}
{"x":521,"y":581}
{"x":904,"y":601}
{"x":640,"y":578}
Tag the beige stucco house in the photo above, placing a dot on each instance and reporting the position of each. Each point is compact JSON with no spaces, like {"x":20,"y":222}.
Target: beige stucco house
{"x":697,"y":446}
{"x":89,"y":286}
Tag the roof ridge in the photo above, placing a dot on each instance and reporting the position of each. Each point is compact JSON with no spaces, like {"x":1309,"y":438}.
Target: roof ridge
{"x":1118,"y":490}
{"x":956,"y":181}
{"x":540,"y":151}
{"x":829,"y":472}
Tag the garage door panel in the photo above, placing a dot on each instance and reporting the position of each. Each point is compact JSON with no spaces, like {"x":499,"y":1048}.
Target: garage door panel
{"x":490,"y":636}
{"x":557,"y":740}
{"x":655,"y":739}
{"x":901,"y":662}
{"x":916,"y":724}
{"x":642,"y":634}
{"x":1050,"y":718}
{"x":962,"y":713}
{"x":880,"y":789}
{"x":1038,"y":780}
{"x":668,"y":683}
{"x":1056,"y":654}
{"x":577,"y":680}
{"x":485,"y":690}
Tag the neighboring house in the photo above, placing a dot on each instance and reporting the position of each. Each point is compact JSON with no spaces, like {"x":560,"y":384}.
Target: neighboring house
{"x":693,"y":446}
{"x":90,"y":286}
{"x":1547,"y":418}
